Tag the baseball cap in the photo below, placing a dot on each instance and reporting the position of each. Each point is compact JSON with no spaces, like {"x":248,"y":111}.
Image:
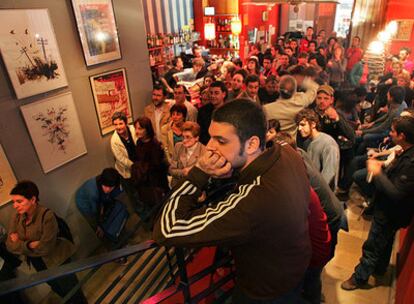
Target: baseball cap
{"x":326,"y":89}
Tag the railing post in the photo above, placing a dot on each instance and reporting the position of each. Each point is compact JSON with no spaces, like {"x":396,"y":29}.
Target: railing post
{"x":184,"y":284}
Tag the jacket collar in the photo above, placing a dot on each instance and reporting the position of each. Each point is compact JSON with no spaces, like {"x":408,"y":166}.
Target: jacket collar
{"x":261,"y":164}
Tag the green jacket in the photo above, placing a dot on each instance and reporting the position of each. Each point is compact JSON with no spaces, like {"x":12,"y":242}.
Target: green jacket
{"x":53,"y":250}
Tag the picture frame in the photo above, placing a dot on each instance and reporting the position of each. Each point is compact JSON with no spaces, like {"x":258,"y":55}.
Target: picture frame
{"x":405,"y":28}
{"x":7,"y":178}
{"x":97,"y":30}
{"x":55,"y":130}
{"x":110,"y":94}
{"x":30,"y":51}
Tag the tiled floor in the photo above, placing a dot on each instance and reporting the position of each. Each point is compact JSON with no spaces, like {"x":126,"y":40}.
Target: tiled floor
{"x":348,"y":252}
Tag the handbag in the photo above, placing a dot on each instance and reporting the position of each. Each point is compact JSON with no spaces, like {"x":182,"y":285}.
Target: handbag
{"x":114,"y":220}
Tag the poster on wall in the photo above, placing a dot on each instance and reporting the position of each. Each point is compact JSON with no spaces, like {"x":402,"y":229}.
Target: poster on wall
{"x":405,"y":28}
{"x":30,"y":51}
{"x":97,"y":30}
{"x":7,"y":178}
{"x":110,"y":92}
{"x":55,"y":130}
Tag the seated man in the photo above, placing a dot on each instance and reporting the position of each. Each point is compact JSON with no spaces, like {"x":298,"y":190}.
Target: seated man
{"x":186,"y":153}
{"x":96,"y":196}
{"x":237,"y":83}
{"x":322,"y":148}
{"x":33,"y":232}
{"x":374,"y":132}
{"x":393,"y":207}
{"x":267,"y":199}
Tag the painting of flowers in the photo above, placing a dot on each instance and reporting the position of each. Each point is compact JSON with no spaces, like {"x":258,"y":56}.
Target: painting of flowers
{"x":7,"y":178}
{"x":110,"y":92}
{"x":97,"y":30}
{"x":55,"y":130}
{"x":30,"y":52}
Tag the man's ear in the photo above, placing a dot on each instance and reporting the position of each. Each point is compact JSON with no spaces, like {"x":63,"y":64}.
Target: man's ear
{"x":252,"y":145}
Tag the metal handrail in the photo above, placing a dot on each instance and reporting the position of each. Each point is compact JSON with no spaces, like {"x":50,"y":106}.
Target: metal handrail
{"x":93,"y":263}
{"x":71,"y":268}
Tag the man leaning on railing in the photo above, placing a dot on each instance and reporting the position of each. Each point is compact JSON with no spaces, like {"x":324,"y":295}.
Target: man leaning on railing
{"x":263,"y":221}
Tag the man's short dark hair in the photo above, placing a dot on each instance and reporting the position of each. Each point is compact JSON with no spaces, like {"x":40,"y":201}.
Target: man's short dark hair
{"x":120,"y":115}
{"x":309,"y":115}
{"x":407,"y":49}
{"x":27,"y":189}
{"x":360,"y":91}
{"x":313,"y":42}
{"x":158,"y":87}
{"x":297,"y":70}
{"x":109,"y":177}
{"x":246,"y":117}
{"x":251,"y":78}
{"x":221,"y":85}
{"x":179,"y":108}
{"x":405,"y":125}
{"x":397,"y":94}
{"x":268,"y":57}
{"x":271,"y":79}
{"x":175,"y":60}
{"x":241,"y":72}
{"x":288,"y":48}
{"x":303,"y":55}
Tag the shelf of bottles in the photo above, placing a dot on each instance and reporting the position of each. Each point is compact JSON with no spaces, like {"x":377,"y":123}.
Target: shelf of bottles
{"x":225,"y":42}
{"x":163,"y":47}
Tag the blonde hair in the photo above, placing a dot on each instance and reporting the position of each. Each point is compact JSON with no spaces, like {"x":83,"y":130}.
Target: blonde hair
{"x":192,"y":127}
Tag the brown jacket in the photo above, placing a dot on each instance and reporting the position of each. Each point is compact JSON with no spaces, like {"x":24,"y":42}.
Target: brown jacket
{"x":149,"y":112}
{"x":53,"y":250}
{"x":179,"y":160}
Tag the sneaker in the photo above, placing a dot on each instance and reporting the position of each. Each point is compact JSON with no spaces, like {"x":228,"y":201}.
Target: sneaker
{"x":350,"y":284}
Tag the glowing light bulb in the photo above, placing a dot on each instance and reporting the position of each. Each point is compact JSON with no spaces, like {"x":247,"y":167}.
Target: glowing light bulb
{"x":376,"y":47}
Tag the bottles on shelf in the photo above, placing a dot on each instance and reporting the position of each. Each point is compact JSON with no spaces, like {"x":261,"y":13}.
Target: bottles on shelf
{"x":224,"y":37}
{"x":161,"y":39}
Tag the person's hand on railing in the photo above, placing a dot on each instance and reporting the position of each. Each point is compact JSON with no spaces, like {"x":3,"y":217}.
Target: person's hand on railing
{"x":14,"y":237}
{"x":33,"y":244}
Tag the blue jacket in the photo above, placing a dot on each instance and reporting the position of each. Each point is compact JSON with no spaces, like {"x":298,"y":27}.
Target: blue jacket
{"x":90,"y":197}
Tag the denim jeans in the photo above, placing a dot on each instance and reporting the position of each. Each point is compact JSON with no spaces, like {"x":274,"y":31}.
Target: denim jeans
{"x":360,"y":178}
{"x":370,"y":140}
{"x":376,"y":251}
{"x":358,"y":162}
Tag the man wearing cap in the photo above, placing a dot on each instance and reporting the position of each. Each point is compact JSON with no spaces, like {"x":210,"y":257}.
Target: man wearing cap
{"x":335,"y":125}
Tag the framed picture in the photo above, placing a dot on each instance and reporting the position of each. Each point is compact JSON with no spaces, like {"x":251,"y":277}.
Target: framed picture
{"x":55,"y":130}
{"x":110,"y":92}
{"x":97,"y":30}
{"x":405,"y":27}
{"x":7,"y":178}
{"x":30,"y":51}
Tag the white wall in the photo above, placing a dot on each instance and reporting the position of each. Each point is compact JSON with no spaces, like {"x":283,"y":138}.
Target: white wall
{"x":57,"y":188}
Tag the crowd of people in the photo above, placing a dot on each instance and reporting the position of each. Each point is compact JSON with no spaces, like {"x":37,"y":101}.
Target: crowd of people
{"x":259,"y":160}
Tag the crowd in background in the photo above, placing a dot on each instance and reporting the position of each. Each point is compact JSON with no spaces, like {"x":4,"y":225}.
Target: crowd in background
{"x":318,"y":97}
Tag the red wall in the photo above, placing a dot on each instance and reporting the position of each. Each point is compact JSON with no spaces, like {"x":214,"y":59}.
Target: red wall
{"x":255,"y":17}
{"x":405,"y":267}
{"x":401,"y":9}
